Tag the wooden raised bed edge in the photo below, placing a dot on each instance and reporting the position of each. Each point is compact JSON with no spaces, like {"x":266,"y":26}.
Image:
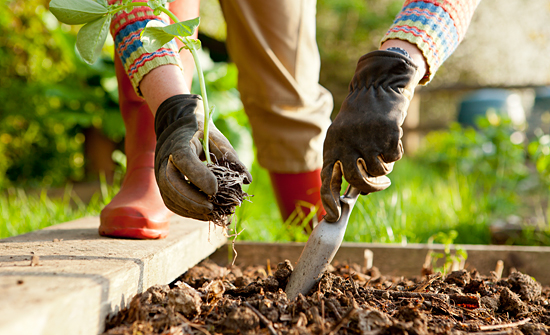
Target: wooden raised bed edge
{"x":400,"y":260}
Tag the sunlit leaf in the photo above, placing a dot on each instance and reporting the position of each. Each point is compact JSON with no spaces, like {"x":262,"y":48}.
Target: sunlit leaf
{"x":91,"y":37}
{"x":156,"y":34}
{"x":154,"y":37}
{"x":154,"y":4}
{"x":77,"y":11}
{"x":184,"y":28}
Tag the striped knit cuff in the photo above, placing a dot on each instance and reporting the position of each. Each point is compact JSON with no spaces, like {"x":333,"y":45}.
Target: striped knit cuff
{"x":125,"y":29}
{"x":435,"y":26}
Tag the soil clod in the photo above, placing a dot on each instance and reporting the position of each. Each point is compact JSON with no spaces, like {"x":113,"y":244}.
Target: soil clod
{"x":525,"y":286}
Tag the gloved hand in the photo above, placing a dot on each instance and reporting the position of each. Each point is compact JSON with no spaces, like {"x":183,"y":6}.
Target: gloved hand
{"x":364,"y":140}
{"x":183,"y":179}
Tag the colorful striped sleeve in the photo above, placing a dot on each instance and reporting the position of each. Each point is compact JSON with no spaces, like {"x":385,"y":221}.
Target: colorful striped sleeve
{"x":435,"y":26}
{"x":125,"y":29}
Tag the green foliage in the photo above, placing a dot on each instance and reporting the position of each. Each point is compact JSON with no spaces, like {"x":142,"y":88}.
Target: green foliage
{"x":32,"y":150}
{"x":154,"y":37}
{"x":346,"y":30}
{"x":91,"y":37}
{"x":420,"y":203}
{"x":539,"y":150}
{"x":21,"y":212}
{"x":449,"y":259}
{"x":183,"y":28}
{"x":488,"y":159}
{"x":96,"y":18}
{"x":49,"y":96}
{"x":156,"y":34}
{"x":81,"y":12}
{"x":489,"y":150}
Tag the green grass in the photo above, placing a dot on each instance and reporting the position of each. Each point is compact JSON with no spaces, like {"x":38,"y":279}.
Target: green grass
{"x":419,"y":204}
{"x":258,"y":219}
{"x":21,"y":212}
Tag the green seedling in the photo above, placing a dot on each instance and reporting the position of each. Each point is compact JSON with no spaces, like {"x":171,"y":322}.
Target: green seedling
{"x":96,"y":17}
{"x":450,"y":260}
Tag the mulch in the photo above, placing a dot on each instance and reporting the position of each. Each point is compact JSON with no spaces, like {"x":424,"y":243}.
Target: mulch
{"x":210,"y":299}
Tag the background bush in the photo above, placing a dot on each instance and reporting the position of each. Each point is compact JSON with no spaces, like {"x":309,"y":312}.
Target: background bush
{"x":48,"y":97}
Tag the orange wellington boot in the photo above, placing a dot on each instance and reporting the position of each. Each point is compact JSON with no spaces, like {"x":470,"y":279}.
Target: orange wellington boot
{"x":298,"y":194}
{"x":137,"y":211}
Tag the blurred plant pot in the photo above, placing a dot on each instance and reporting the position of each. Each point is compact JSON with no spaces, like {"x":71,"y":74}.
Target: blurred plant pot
{"x":501,"y":101}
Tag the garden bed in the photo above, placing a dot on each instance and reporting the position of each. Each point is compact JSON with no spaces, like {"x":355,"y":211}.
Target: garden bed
{"x":350,"y":299}
{"x":354,"y":298}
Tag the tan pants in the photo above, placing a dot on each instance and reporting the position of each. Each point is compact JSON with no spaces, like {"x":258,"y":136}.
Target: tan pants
{"x":273,"y":45}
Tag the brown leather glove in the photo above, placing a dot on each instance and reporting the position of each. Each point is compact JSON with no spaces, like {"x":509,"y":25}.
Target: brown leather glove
{"x":365,"y":138}
{"x":183,"y":179}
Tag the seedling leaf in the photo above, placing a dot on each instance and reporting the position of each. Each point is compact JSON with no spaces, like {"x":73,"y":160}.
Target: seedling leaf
{"x":77,"y":11}
{"x":196,"y":43}
{"x":183,"y":28}
{"x":154,"y":37}
{"x":154,"y":4}
{"x":91,"y":37}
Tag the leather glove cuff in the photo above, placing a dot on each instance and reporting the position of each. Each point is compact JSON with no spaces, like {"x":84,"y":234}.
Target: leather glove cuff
{"x":173,"y":112}
{"x":385,"y":69}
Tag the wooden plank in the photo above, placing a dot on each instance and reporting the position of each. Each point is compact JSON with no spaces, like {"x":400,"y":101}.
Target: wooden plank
{"x":83,"y":277}
{"x":401,"y":260}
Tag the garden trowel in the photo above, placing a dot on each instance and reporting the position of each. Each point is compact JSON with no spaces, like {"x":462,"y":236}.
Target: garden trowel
{"x":322,"y":245}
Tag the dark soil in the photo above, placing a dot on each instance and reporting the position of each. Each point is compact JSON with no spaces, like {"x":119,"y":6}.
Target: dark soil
{"x":230,"y":193}
{"x":210,"y":299}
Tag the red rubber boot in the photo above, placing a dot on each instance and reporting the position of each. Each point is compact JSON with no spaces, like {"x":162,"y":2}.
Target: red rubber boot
{"x":137,"y":211}
{"x":297,"y":194}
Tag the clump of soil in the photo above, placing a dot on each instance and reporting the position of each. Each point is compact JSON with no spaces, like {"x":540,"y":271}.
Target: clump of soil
{"x":210,"y":299}
{"x":230,"y":193}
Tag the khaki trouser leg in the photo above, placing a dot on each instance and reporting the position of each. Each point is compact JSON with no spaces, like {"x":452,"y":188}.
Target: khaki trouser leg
{"x":273,"y":45}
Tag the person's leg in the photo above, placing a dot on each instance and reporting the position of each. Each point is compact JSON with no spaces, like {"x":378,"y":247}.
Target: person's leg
{"x":138,"y":210}
{"x":273,"y":45}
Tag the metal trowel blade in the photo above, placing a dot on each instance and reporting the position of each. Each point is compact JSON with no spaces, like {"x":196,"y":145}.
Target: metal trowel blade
{"x":322,"y":245}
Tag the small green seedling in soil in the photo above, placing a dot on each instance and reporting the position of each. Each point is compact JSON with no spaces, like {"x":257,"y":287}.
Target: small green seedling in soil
{"x":451,"y":262}
{"x":96,"y":17}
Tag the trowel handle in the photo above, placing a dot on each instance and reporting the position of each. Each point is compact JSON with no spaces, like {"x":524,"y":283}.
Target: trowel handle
{"x":347,"y":201}
{"x":351,"y":193}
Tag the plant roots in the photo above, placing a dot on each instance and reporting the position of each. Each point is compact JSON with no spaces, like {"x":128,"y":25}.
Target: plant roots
{"x":230,"y":193}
